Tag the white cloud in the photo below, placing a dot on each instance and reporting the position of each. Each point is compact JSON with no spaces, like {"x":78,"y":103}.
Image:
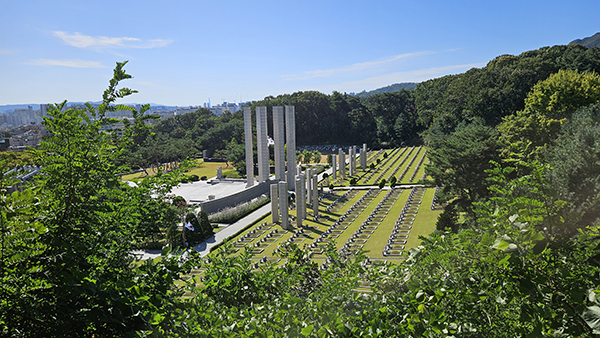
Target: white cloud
{"x":67,"y":63}
{"x":355,"y":67}
{"x":101,"y":42}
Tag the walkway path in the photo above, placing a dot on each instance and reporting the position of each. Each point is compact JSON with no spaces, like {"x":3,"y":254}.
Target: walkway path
{"x":204,"y":247}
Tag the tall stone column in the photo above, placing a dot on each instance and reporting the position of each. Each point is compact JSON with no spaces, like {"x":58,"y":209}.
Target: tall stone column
{"x":274,"y":203}
{"x":308,"y":183}
{"x":342,"y":162}
{"x":363,"y":157}
{"x":283,"y":205}
{"x":290,"y":131}
{"x":299,"y":201}
{"x":261,"y":140}
{"x":279,"y":138}
{"x":352,"y":158}
{"x":334,"y":166}
{"x":315,"y":195}
{"x":249,"y":155}
{"x":301,"y":196}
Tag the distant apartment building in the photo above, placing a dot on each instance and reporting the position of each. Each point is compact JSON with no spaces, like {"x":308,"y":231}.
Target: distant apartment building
{"x":226,"y":106}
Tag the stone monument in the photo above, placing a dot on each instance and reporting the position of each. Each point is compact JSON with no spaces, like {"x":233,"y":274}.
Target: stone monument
{"x":262,"y":146}
{"x":274,"y":203}
{"x":290,"y":133}
{"x":248,"y":139}
{"x":334,"y":166}
{"x":299,"y":201}
{"x":279,"y":139}
{"x":283,"y":204}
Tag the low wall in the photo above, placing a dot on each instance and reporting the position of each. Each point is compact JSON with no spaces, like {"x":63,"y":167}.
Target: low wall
{"x":237,"y":198}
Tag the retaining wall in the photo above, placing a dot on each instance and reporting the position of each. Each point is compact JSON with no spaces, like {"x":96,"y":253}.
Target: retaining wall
{"x":237,"y":198}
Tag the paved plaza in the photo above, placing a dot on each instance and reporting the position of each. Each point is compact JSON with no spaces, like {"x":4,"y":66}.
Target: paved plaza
{"x":199,"y":191}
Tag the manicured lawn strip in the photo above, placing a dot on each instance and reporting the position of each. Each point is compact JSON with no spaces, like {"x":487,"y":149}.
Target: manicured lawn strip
{"x":378,"y":168}
{"x":343,"y":238}
{"x":392,"y":164}
{"x":384,"y":168}
{"x":403,"y":153}
{"x":376,"y":243}
{"x":413,"y":165}
{"x":373,"y":155}
{"x":395,"y":167}
{"x":405,"y":162}
{"x":424,"y":222}
{"x":208,"y":169}
{"x":339,"y":213}
{"x":420,"y":171}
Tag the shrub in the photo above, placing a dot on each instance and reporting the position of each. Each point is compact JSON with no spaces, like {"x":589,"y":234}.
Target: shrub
{"x":203,"y":178}
{"x":194,"y":178}
{"x":353,"y":181}
{"x":331,"y":186}
{"x":382,"y":184}
{"x":179,"y":201}
{"x":230,"y":215}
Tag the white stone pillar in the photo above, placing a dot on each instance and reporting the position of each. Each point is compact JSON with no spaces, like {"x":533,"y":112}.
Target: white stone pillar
{"x":351,"y":164}
{"x":283,"y":204}
{"x":334,"y":166}
{"x":315,"y":195}
{"x":342,"y":162}
{"x":249,"y":155}
{"x":299,"y":201}
{"x":279,"y":138}
{"x":308,"y":183}
{"x":290,"y":131}
{"x":363,"y":157}
{"x":261,"y":140}
{"x":274,"y":203}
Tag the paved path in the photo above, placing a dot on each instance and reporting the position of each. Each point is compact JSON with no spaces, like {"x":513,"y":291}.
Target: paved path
{"x":204,"y":247}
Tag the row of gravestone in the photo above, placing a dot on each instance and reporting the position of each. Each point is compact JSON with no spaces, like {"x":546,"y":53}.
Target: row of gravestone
{"x":409,"y":164}
{"x":377,"y":216}
{"x":400,"y":165}
{"x":412,"y":177}
{"x":399,"y":236}
{"x":343,"y":221}
{"x":383,"y":165}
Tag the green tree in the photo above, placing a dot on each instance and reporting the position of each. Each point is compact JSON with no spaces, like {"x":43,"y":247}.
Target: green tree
{"x":548,"y":105}
{"x":458,"y":165}
{"x":316,"y":156}
{"x":81,"y":263}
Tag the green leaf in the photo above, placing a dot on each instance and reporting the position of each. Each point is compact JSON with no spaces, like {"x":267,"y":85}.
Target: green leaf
{"x":308,"y":330}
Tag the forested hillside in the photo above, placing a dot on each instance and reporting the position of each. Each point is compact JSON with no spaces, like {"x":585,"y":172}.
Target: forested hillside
{"x":391,"y":88}
{"x":514,"y":152}
{"x":591,"y":41}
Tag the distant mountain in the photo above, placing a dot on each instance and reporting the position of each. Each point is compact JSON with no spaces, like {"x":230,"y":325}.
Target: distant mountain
{"x":592,"y":41}
{"x":391,"y":88}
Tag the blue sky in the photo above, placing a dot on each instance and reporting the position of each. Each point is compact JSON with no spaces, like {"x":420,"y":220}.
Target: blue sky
{"x":185,"y":52}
